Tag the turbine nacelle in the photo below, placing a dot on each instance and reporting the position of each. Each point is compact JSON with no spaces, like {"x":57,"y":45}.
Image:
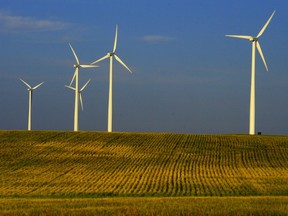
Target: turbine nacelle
{"x":29,"y":87}
{"x":254,"y":39}
{"x":79,"y":91}
{"x":77,"y":64}
{"x":113,"y":53}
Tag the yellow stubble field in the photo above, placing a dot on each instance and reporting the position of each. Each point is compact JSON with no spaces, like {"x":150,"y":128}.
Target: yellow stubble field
{"x":42,"y":166}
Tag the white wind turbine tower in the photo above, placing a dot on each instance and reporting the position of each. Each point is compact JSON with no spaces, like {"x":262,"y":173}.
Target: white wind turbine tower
{"x":80,"y":92}
{"x":255,"y":44}
{"x":30,"y":90}
{"x":111,"y":55}
{"x":77,"y":65}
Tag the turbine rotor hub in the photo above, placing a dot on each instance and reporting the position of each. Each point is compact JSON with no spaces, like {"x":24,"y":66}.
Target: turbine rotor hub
{"x":254,"y":39}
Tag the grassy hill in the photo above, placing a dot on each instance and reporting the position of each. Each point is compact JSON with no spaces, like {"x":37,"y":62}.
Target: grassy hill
{"x":96,"y":164}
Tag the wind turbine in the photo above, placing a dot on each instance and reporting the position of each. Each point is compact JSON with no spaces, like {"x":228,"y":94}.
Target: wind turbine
{"x":111,"y":55}
{"x":80,"y":92}
{"x":255,"y":44}
{"x":75,"y":77}
{"x":30,"y":90}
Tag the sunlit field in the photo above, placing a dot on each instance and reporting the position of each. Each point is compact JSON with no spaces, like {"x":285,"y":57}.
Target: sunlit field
{"x":147,"y":206}
{"x":142,"y":173}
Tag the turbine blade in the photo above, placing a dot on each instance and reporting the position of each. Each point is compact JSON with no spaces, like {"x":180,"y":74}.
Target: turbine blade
{"x":115,"y":40}
{"x":84,"y":86}
{"x":73,"y":76}
{"x":37,"y":86}
{"x":70,"y":87}
{"x":77,"y":60}
{"x":26,"y":84}
{"x":81,"y":101}
{"x":261,"y":54}
{"x":101,"y":59}
{"x":265,"y":26}
{"x":121,"y":62}
{"x":89,"y":66}
{"x":241,"y":36}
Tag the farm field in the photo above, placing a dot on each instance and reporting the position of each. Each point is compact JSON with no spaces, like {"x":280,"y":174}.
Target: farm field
{"x":43,"y":166}
{"x":147,"y":206}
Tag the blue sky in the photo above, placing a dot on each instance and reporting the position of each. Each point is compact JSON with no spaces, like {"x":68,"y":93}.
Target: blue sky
{"x":187,"y":76}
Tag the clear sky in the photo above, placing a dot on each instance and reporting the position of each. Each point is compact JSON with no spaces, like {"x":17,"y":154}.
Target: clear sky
{"x":187,"y":76}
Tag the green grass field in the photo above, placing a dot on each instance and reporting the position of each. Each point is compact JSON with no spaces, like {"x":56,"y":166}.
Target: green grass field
{"x":238,"y":171}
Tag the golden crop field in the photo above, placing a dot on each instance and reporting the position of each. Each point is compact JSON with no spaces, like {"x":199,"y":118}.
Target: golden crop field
{"x":83,"y":165}
{"x":91,"y":164}
{"x":154,"y":206}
